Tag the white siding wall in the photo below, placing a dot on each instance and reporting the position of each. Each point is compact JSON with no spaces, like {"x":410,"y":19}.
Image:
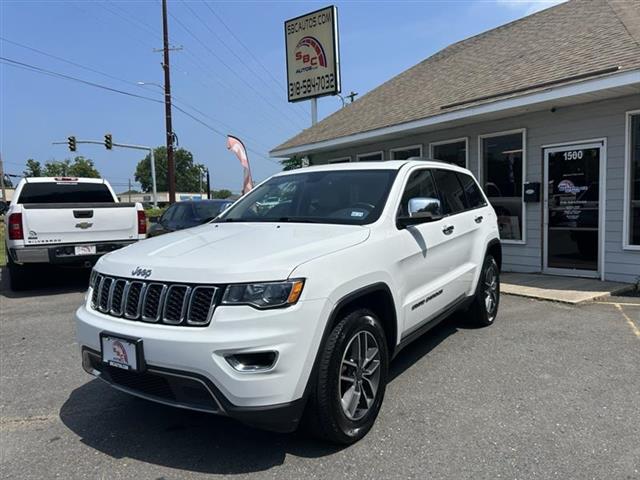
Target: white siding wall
{"x":604,"y":119}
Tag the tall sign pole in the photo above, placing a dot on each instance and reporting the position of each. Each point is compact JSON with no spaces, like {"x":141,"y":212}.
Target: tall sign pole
{"x":171,"y":166}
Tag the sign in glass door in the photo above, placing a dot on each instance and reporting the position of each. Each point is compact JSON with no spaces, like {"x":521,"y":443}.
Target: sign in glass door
{"x":573,"y":207}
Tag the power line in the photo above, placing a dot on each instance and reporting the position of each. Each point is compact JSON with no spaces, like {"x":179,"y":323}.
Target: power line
{"x":215,"y":55}
{"x":26,"y":66}
{"x":136,"y":22}
{"x":34,"y":68}
{"x":70,"y":62}
{"x":238,"y":57}
{"x":251,"y":54}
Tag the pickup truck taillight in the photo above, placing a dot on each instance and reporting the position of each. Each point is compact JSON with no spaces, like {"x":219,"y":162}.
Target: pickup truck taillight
{"x":15,"y":227}
{"x":142,"y":222}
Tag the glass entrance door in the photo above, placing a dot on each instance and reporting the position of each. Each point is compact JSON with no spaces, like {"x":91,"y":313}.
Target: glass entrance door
{"x":572,"y":209}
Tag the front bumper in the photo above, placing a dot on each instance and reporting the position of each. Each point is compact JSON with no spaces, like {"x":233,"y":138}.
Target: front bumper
{"x":176,"y":355}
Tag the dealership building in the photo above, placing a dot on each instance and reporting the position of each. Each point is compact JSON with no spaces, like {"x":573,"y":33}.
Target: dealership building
{"x":545,"y":111}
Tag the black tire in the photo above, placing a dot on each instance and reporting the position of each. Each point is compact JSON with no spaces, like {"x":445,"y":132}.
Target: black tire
{"x":483,"y":312}
{"x":18,"y":275}
{"x":325,"y":415}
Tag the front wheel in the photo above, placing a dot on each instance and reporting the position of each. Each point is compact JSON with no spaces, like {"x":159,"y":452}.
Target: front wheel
{"x":351,"y":379}
{"x":484,"y":308}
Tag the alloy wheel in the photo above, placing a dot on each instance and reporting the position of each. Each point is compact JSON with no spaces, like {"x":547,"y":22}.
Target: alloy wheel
{"x":491,"y":291}
{"x":359,"y":375}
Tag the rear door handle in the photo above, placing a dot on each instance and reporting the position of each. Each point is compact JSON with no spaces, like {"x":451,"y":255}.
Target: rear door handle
{"x":478,"y":219}
{"x":447,"y":229}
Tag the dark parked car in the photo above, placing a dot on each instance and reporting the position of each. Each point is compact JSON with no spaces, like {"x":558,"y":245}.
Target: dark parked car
{"x":187,"y":214}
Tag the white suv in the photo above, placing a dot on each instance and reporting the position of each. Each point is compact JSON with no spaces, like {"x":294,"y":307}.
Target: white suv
{"x":274,"y":314}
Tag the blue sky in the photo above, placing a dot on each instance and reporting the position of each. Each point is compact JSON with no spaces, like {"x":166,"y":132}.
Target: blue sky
{"x":213,"y":76}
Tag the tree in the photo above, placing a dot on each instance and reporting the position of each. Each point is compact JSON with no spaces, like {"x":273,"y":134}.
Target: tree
{"x":56,"y":168}
{"x":291,"y":163}
{"x":34,"y":169}
{"x":83,"y":167}
{"x":223,"y":193}
{"x":188,"y":173}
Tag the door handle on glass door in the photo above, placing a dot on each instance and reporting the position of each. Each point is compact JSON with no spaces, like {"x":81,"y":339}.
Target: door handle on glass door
{"x":447,"y":229}
{"x":479,"y":218}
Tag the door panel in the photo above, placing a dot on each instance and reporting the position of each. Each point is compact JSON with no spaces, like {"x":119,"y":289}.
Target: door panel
{"x":572,"y":208}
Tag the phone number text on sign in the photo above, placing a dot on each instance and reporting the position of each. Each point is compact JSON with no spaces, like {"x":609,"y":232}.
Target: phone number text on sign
{"x":320,"y":84}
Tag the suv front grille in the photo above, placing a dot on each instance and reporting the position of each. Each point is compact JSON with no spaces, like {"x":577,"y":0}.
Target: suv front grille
{"x":173,"y":304}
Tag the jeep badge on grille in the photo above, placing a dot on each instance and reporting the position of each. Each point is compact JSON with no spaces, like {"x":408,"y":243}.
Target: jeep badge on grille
{"x":141,"y":272}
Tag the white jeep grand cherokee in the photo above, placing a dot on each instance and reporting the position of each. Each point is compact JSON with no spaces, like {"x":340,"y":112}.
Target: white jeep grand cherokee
{"x":293,"y":302}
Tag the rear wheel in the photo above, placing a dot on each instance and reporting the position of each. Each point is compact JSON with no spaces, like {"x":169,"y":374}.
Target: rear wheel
{"x":484,"y":308}
{"x":18,"y":274}
{"x":351,"y":379}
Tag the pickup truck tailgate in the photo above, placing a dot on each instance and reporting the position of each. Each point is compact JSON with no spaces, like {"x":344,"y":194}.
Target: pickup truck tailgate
{"x":75,"y":223}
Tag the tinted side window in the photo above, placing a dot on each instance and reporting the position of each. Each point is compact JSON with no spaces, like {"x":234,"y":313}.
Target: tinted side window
{"x":450,"y":190}
{"x":420,"y":184}
{"x":472,"y":191}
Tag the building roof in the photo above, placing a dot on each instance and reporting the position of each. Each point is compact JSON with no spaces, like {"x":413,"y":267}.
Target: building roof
{"x":564,"y":44}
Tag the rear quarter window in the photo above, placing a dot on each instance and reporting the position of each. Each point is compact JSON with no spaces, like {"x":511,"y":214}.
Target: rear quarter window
{"x":472,"y":191}
{"x":65,"y":192}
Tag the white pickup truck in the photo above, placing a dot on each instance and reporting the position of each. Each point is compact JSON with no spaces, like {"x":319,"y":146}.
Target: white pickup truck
{"x":66,"y":221}
{"x":274,"y":314}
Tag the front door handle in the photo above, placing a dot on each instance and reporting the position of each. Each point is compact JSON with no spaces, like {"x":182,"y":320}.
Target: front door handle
{"x":478,"y":219}
{"x":447,"y":229}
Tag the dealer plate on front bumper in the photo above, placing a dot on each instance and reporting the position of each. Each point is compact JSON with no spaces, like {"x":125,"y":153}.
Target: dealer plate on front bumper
{"x":121,"y":352}
{"x":85,"y":250}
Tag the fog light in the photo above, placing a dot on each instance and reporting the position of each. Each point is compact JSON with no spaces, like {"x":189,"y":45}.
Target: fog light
{"x":252,"y":362}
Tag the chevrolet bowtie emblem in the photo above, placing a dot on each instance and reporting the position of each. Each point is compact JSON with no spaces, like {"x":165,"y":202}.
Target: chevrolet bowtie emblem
{"x":84,"y":225}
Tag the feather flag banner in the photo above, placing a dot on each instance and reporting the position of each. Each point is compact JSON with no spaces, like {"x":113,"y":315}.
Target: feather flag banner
{"x":236,"y":146}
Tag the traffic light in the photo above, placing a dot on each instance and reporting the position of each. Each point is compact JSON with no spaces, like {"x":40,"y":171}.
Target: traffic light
{"x":72,"y":143}
{"x":108,"y":141}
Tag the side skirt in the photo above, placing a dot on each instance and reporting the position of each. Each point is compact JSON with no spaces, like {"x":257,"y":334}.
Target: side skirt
{"x":427,"y":324}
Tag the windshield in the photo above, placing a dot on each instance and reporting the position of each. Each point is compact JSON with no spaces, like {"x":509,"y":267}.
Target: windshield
{"x":65,"y":192}
{"x":354,"y":197}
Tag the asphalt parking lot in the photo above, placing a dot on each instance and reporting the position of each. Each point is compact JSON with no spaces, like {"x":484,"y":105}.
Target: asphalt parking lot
{"x":550,"y":391}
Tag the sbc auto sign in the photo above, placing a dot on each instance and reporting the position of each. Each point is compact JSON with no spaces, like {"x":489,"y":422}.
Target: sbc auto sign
{"x":313,"y":64}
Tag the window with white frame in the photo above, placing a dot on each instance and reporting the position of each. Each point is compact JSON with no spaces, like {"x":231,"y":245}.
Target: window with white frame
{"x":633,"y":177}
{"x":370,"y":157}
{"x":403,"y":153}
{"x":451,"y":151}
{"x":339,"y":160}
{"x":502,"y":160}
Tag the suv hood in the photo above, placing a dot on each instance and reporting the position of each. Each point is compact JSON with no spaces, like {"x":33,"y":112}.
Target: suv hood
{"x":231,"y":252}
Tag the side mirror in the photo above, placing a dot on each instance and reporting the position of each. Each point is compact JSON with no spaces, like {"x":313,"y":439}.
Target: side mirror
{"x":154,"y":219}
{"x":421,"y":210}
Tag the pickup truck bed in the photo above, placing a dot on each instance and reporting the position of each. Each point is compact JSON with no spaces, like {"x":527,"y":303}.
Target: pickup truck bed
{"x":67,"y":232}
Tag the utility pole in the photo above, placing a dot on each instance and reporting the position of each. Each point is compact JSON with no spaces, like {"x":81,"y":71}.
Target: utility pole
{"x":171,"y":166}
{"x":129,"y":190}
{"x":4,"y":193}
{"x":208,"y":186}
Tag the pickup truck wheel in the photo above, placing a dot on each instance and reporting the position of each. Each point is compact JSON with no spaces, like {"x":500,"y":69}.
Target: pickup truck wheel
{"x":351,"y":379}
{"x":18,"y":275}
{"x":484,"y":308}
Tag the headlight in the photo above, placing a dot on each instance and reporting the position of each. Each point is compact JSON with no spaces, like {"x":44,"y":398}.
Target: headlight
{"x":264,"y":295}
